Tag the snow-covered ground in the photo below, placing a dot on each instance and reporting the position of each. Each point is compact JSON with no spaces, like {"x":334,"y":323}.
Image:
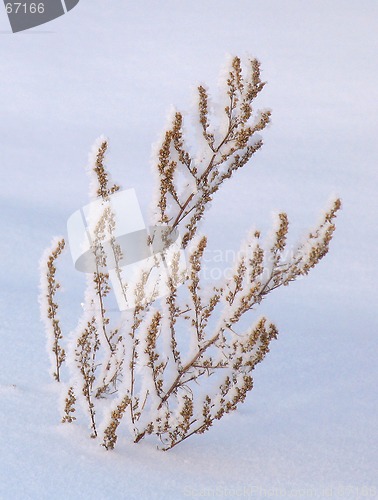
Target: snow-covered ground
{"x":309,"y":428}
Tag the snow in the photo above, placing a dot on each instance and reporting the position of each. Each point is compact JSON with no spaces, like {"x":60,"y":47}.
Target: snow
{"x":309,"y":427}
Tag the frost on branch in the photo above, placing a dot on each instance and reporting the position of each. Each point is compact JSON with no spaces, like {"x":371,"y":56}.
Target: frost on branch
{"x":224,"y":153}
{"x":170,"y":367}
{"x":49,"y":307}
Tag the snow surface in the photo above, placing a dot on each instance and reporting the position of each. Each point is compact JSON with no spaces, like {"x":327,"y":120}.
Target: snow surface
{"x":309,"y":428}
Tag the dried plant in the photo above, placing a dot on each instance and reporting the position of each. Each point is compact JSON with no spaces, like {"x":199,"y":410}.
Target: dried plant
{"x":173,"y":365}
{"x":224,"y":151}
{"x":49,"y":307}
{"x":69,"y":406}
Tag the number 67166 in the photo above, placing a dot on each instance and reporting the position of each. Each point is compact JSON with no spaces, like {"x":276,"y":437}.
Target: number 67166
{"x":18,"y":7}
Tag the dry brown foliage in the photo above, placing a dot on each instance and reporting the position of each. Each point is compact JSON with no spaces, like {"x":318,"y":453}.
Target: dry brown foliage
{"x":174,"y":365}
